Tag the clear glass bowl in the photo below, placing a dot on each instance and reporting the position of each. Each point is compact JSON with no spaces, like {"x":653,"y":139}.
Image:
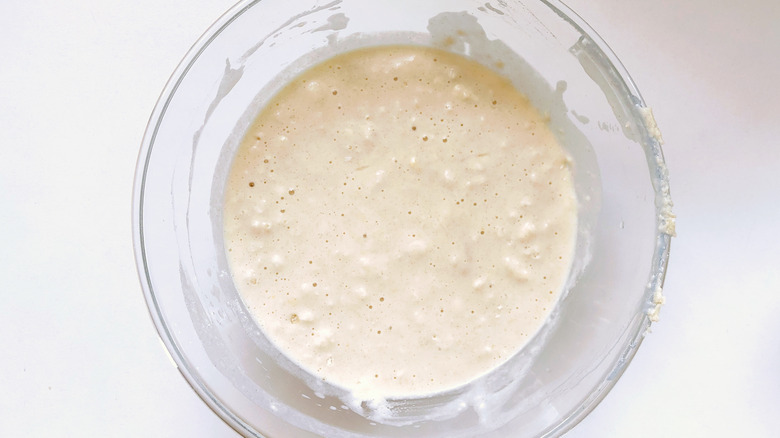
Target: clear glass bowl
{"x":567,"y":71}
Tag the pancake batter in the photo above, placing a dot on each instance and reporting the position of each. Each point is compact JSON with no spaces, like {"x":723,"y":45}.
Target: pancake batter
{"x":399,"y":220}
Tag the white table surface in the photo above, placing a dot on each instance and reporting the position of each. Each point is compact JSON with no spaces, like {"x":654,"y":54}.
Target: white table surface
{"x":80,"y":356}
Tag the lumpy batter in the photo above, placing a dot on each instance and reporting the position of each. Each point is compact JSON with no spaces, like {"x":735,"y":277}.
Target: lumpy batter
{"x":399,"y":220}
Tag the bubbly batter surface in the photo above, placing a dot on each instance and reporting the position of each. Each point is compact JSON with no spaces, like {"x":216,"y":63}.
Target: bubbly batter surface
{"x":399,"y":220}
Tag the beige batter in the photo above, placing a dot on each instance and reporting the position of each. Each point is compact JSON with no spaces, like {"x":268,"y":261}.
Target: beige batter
{"x":399,"y":221}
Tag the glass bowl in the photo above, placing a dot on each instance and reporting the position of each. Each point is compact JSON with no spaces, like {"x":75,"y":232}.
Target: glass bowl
{"x":613,"y":292}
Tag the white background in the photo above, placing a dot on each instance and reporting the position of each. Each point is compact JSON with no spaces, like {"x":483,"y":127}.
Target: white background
{"x":79,"y":355}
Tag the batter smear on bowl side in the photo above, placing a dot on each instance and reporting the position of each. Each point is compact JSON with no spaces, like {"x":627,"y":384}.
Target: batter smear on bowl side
{"x":400,"y":220}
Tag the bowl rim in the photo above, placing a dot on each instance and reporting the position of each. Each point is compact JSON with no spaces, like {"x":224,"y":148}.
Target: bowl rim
{"x":660,"y":257}
{"x":139,"y":186}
